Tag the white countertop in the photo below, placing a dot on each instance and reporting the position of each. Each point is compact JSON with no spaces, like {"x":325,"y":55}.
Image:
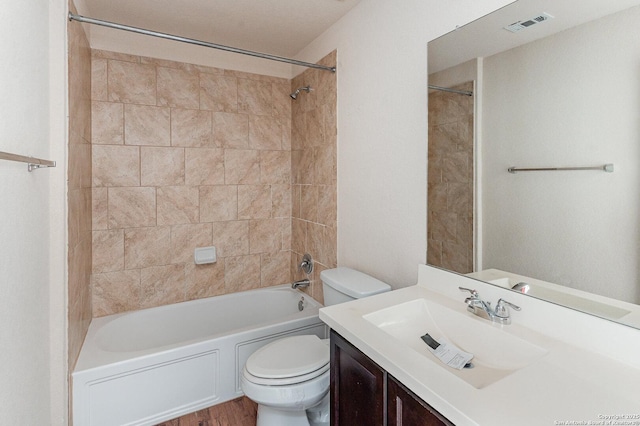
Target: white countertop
{"x":571,"y":383}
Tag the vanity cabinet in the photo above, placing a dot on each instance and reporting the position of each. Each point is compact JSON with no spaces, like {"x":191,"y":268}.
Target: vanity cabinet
{"x":362,"y":393}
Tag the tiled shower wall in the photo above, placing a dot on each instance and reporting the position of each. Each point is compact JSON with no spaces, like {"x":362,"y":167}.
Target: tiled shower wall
{"x":187,"y":156}
{"x":450,"y":180}
{"x":313,"y":169}
{"x":79,"y":190}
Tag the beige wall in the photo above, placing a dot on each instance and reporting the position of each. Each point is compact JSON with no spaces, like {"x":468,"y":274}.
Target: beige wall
{"x":186,"y":156}
{"x":313,"y":165}
{"x":450,"y":180}
{"x":79,"y":190}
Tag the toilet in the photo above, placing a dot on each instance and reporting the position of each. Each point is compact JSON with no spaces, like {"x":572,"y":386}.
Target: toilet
{"x":289,"y":378}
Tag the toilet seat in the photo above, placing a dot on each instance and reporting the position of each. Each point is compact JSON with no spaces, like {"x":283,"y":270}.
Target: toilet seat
{"x":289,"y":360}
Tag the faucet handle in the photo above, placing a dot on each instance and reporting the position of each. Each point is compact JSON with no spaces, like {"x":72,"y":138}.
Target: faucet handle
{"x":474,"y":293}
{"x":502,"y":311}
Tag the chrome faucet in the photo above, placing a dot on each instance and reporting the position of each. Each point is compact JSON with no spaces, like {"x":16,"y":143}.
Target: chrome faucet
{"x":300,"y":283}
{"x":483,"y":309}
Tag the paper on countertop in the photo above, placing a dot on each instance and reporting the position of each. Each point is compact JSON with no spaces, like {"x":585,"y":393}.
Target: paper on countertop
{"x":447,"y":352}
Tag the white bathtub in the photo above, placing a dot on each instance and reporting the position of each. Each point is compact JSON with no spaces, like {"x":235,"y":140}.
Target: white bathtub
{"x":148,"y":366}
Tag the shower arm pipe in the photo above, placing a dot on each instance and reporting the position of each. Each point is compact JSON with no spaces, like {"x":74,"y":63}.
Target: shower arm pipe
{"x":446,"y":89}
{"x":87,"y":20}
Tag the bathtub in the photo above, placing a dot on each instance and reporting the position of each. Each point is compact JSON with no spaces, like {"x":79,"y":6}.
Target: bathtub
{"x":152,"y":365}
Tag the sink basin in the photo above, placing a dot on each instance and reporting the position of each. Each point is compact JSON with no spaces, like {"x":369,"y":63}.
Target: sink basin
{"x":497,"y":353}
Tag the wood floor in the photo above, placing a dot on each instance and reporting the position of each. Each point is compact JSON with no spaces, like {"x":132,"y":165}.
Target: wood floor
{"x":238,"y":412}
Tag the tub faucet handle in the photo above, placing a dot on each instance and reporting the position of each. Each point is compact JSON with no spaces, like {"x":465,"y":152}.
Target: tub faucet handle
{"x":307,"y":264}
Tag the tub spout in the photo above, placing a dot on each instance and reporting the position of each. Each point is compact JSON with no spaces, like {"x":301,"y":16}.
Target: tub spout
{"x":300,"y":283}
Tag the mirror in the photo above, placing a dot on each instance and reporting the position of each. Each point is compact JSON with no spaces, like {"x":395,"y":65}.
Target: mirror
{"x":561,"y":90}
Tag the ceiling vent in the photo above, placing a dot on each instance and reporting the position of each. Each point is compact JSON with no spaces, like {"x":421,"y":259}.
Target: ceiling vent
{"x":527,"y":23}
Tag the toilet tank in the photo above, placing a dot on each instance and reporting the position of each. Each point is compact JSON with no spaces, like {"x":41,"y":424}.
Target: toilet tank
{"x":344,"y":284}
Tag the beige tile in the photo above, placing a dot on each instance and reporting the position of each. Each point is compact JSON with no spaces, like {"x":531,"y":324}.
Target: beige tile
{"x":281,"y":200}
{"x":254,"y":202}
{"x":326,"y":87}
{"x":265,"y":236}
{"x":296,"y":196}
{"x":204,"y":166}
{"x":280,"y":98}
{"x":265,"y":132}
{"x":317,"y":292}
{"x":286,"y":233}
{"x":231,"y":238}
{"x":107,"y":123}
{"x":99,"y":210}
{"x":434,"y":252}
{"x":204,"y":280}
{"x":314,"y":128}
{"x":309,"y":203}
{"x":161,"y":166}
{"x":218,"y":92}
{"x":178,"y":204}
{"x":241,"y":273}
{"x":437,"y":197}
{"x":108,"y":250}
{"x":115,"y":292}
{"x":274,"y":269}
{"x":144,"y":247}
{"x":116,"y":165}
{"x":231,"y":130}
{"x":132,"y":207}
{"x":299,"y":236}
{"x":75,"y":205}
{"x":298,"y":131}
{"x":454,"y":257}
{"x":218,"y":203}
{"x":131,"y":82}
{"x":99,"y":80}
{"x":327,"y":205}
{"x":330,"y":125}
{"x":79,"y":165}
{"x":178,"y":88}
{"x":255,"y":97}
{"x":443,"y":226}
{"x":325,"y":165}
{"x":455,"y":167}
{"x":191,"y":128}
{"x":302,"y":169}
{"x":286,"y":134}
{"x":147,"y":125}
{"x":161,"y":285}
{"x":321,"y":241}
{"x":275,"y":167}
{"x":241,"y":166}
{"x":460,"y":199}
{"x":186,"y":238}
{"x":107,"y":54}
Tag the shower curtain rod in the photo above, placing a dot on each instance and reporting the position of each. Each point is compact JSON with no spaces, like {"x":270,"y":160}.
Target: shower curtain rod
{"x":446,"y":89}
{"x":87,"y":20}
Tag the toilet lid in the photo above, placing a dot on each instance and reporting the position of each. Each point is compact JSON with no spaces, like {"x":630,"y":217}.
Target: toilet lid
{"x":289,"y":357}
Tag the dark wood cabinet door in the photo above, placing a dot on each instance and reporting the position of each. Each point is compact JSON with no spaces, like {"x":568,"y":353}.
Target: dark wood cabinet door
{"x":357,"y":386}
{"x":404,"y":408}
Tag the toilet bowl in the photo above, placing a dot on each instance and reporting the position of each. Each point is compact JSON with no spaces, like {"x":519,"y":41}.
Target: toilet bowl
{"x":286,"y":378}
{"x":289,"y":378}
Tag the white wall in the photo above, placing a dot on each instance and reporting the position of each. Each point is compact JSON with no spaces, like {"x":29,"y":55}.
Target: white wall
{"x":382,"y":128}
{"x":579,"y":229}
{"x":31,"y":338}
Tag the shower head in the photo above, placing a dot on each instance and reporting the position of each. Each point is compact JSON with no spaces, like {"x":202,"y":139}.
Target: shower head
{"x":294,"y":95}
